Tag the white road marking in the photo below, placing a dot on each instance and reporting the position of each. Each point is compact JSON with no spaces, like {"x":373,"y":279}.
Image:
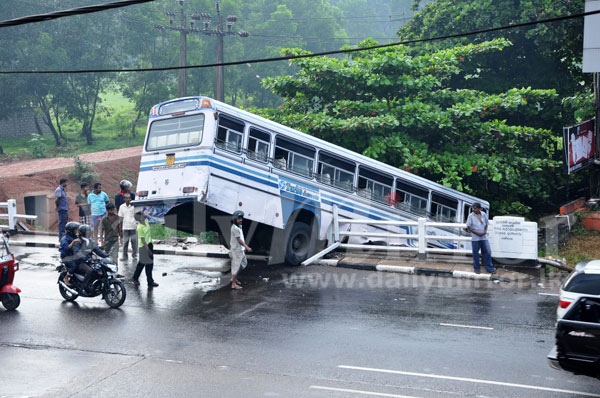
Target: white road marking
{"x":372,"y":393}
{"x":241,"y":314}
{"x":466,"y":326}
{"x":469,"y":380}
{"x":549,"y":294}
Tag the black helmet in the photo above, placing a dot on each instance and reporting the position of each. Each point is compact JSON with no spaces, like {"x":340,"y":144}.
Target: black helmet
{"x":71,"y":227}
{"x":84,"y":230}
{"x":237,"y":214}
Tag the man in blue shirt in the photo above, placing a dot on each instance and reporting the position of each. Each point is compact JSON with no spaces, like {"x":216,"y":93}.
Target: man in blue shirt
{"x":477,"y":224}
{"x":98,"y":200}
{"x":62,"y":206}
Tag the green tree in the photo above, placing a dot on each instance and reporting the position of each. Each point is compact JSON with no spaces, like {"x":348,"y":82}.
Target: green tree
{"x":85,"y":42}
{"x":545,"y":55}
{"x":400,"y":109}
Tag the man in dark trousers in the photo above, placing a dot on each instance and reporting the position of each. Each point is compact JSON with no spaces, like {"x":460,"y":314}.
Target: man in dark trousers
{"x":62,"y":206}
{"x":146,"y":251}
{"x":477,"y":224}
{"x":125,"y":190}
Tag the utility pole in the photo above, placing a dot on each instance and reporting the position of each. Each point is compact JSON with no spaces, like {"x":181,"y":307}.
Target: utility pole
{"x":183,"y":32}
{"x":220,"y":32}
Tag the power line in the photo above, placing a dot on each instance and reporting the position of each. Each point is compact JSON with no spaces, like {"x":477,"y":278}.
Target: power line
{"x":319,"y":54}
{"x":67,"y":13}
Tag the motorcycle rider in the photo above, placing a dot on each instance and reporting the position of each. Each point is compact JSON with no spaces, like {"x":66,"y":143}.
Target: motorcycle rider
{"x":82,"y":249}
{"x":87,"y":245}
{"x":66,"y":247}
{"x":74,"y":264}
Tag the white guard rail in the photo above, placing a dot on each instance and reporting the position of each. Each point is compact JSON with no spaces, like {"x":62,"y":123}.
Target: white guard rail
{"x":11,"y":215}
{"x":421,"y":237}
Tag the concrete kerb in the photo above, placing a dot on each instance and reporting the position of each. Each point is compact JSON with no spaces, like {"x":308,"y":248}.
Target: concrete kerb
{"x":411,"y":270}
{"x":326,"y":262}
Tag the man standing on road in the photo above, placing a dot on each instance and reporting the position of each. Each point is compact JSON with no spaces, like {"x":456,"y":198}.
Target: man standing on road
{"x":238,"y":247}
{"x":120,"y":197}
{"x":81,"y":201}
{"x":97,"y":201}
{"x":129,"y":225}
{"x":62,"y":206}
{"x":477,"y":224}
{"x":110,"y":232}
{"x":146,"y":251}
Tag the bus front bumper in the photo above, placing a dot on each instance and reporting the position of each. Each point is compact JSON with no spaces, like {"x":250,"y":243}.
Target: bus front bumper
{"x":156,"y":209}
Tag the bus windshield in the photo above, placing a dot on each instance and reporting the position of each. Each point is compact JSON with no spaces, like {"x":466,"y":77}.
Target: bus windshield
{"x":175,"y":132}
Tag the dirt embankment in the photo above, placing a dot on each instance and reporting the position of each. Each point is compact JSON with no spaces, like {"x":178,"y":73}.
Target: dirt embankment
{"x":34,"y":181}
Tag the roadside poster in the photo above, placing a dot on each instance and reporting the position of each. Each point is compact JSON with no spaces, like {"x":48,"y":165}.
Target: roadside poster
{"x":579,"y":145}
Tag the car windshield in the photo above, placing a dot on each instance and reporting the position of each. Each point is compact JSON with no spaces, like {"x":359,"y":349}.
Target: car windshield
{"x":175,"y":132}
{"x":584,"y":284}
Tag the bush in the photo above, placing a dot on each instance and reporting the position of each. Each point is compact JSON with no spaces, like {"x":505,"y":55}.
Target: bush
{"x":83,"y":172}
{"x":38,"y":147}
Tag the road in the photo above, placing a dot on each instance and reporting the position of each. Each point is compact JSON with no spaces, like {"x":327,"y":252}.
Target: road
{"x":291,"y":332}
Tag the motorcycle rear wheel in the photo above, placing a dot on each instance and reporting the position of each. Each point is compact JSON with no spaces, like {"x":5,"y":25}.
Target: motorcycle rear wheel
{"x":11,"y":301}
{"x":115,"y":294}
{"x":67,"y":295}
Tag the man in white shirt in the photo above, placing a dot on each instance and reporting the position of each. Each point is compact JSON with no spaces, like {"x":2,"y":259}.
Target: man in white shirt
{"x":127,"y":216}
{"x":477,"y":224}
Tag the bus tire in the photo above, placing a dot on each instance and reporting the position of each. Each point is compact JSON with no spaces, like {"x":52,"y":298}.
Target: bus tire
{"x":300,"y":243}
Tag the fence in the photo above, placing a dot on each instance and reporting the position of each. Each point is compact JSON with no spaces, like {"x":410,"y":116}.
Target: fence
{"x":421,"y":237}
{"x":12,"y":216}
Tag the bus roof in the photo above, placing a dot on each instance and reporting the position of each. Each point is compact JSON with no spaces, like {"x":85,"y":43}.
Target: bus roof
{"x":271,"y":125}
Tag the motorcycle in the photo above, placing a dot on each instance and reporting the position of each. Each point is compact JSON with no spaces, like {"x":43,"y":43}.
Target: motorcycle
{"x":105,"y":282}
{"x":9,"y":293}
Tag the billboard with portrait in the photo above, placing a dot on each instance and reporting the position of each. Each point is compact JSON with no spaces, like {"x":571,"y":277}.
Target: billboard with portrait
{"x":579,"y":146}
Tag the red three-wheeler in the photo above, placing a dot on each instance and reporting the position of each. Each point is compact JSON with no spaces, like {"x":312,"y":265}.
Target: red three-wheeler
{"x":9,"y":293}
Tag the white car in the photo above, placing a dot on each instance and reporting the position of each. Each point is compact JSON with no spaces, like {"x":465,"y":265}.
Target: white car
{"x":584,"y":281}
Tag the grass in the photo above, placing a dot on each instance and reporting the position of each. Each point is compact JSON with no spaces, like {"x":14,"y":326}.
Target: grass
{"x":160,"y":232}
{"x":111,"y":131}
{"x":582,"y":245}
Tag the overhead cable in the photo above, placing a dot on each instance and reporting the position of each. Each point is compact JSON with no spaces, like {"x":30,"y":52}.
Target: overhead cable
{"x":311,"y":55}
{"x":67,"y":13}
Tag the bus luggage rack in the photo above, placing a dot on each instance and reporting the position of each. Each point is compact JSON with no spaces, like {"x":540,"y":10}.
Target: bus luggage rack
{"x":420,"y":237}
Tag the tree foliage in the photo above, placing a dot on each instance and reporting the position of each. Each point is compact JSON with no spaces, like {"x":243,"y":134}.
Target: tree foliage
{"x":544,"y":55}
{"x":399,"y":108}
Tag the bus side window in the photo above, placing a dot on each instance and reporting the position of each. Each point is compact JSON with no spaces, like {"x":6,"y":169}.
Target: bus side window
{"x":335,"y":171}
{"x":410,"y":197}
{"x":229,"y":135}
{"x":443,"y":208}
{"x":374,"y":185}
{"x":294,"y":157}
{"x":258,"y":145}
{"x":466,"y":211}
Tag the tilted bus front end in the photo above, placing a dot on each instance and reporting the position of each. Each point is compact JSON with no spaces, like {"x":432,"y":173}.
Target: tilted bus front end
{"x":174,"y":170}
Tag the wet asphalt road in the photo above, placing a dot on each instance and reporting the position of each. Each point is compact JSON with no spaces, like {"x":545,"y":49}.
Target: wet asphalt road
{"x":291,"y":332}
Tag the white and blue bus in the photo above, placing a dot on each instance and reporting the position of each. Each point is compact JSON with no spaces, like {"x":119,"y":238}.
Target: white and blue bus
{"x":203,"y":160}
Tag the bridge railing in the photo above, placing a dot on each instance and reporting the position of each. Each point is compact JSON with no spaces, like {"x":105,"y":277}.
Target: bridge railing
{"x":421,"y":237}
{"x":12,"y":216}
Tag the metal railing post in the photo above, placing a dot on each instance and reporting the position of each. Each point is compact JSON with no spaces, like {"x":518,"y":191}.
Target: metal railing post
{"x":336,"y":224}
{"x":12,"y":214}
{"x":422,"y":242}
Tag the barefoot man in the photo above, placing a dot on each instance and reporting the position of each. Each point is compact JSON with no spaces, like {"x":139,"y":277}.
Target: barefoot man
{"x":238,"y":248}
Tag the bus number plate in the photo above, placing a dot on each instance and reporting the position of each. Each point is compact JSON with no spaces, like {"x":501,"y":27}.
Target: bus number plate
{"x":170,"y":160}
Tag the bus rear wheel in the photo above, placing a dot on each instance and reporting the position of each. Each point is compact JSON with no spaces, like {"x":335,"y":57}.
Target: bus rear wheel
{"x":300,"y":243}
